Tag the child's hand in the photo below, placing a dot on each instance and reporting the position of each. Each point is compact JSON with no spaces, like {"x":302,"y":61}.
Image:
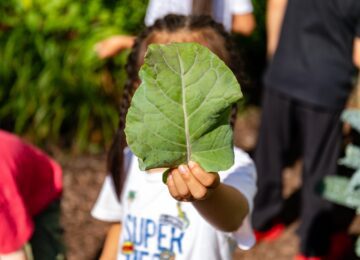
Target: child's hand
{"x":191,"y":182}
{"x":113,"y":45}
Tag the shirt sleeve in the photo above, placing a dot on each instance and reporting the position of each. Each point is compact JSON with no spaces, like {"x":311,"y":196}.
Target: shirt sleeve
{"x":107,"y":206}
{"x":158,"y":9}
{"x":241,"y":6}
{"x":242,"y":176}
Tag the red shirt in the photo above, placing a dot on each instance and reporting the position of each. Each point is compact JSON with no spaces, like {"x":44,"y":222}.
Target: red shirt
{"x":29,"y":182}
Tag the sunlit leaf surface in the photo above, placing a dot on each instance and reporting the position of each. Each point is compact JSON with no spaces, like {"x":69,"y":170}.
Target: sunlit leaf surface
{"x":181,"y":110}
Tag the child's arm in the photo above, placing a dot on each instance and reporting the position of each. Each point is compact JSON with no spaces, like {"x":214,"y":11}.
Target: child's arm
{"x":275,"y":13}
{"x":18,"y":255}
{"x":243,"y":23}
{"x":113,"y":45}
{"x":111,"y":244}
{"x":221,"y":205}
{"x":356,"y":53}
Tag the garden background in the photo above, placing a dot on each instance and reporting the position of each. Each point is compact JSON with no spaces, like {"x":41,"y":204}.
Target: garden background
{"x":56,"y":93}
{"x":54,"y":90}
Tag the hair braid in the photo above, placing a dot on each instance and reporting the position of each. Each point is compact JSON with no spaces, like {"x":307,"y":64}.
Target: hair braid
{"x":115,"y":160}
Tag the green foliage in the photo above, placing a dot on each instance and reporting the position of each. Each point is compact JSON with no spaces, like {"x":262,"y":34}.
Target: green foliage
{"x":342,"y":190}
{"x":357,"y":247}
{"x":352,"y":116}
{"x":259,"y":13}
{"x":352,"y":157}
{"x":52,"y":85}
{"x":337,"y":189}
{"x":181,"y":110}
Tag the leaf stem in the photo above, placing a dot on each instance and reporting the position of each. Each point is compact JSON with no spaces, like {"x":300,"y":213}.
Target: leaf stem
{"x":186,"y":121}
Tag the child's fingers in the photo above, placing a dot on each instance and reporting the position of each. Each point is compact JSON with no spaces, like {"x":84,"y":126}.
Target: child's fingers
{"x":197,"y":190}
{"x":171,"y":186}
{"x":209,"y":180}
{"x":181,"y":187}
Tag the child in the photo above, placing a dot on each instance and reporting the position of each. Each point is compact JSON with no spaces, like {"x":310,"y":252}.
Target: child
{"x":209,"y":214}
{"x":30,"y":190}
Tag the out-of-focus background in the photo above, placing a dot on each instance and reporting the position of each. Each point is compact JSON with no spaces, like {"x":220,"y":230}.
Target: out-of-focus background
{"x":54,"y":89}
{"x":56,"y":93}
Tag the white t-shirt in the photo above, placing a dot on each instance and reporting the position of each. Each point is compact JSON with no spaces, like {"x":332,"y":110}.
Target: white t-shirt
{"x":156,"y":226}
{"x":223,"y":10}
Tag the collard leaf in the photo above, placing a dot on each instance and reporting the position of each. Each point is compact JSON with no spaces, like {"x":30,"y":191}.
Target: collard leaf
{"x":181,"y":110}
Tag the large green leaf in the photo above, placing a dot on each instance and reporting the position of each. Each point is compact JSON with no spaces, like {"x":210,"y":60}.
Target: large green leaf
{"x":181,"y":110}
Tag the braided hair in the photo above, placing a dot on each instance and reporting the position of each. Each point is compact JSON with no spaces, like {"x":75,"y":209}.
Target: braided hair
{"x":197,"y":28}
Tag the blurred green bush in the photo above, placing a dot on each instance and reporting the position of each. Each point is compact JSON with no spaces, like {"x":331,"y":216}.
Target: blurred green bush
{"x":53,"y":88}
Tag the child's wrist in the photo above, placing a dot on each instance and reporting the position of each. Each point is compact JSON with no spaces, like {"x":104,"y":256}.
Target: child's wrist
{"x":211,"y":191}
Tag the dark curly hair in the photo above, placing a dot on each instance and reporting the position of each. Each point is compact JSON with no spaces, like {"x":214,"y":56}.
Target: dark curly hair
{"x":195,"y":28}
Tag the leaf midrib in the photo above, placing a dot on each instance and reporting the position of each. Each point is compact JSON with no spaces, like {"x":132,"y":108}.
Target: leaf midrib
{"x":186,"y":121}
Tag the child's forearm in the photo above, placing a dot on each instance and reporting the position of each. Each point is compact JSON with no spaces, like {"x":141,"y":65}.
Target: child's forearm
{"x":275,"y":13}
{"x":243,"y":23}
{"x":356,"y":53}
{"x":18,"y":255}
{"x":113,"y":45}
{"x":110,"y":248}
{"x":225,"y":208}
{"x":221,"y":205}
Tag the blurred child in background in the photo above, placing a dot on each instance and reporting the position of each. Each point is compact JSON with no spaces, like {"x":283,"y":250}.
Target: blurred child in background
{"x":30,"y":190}
{"x":235,"y":15}
{"x":313,"y":46}
{"x":148,"y":221}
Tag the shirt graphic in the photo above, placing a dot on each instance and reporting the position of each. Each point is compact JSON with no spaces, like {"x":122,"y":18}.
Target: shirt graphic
{"x":165,"y":234}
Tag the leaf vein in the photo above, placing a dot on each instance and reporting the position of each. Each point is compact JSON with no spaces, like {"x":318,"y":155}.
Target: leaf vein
{"x":207,"y":95}
{"x":166,"y":117}
{"x":192,"y":65}
{"x":166,"y":139}
{"x":167,"y":64}
{"x":212,"y":150}
{"x":164,"y":93}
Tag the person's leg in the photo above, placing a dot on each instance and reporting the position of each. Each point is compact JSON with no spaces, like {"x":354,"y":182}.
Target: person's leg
{"x":47,"y":241}
{"x":321,"y":131}
{"x":272,"y":150}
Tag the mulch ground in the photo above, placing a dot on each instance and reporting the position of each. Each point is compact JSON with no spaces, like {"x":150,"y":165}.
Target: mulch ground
{"x":83,"y":176}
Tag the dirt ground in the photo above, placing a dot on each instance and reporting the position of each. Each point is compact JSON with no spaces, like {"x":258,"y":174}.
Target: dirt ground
{"x":83,"y":176}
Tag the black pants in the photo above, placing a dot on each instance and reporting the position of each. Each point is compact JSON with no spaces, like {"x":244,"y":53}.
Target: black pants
{"x":47,"y":240}
{"x":290,"y":126}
